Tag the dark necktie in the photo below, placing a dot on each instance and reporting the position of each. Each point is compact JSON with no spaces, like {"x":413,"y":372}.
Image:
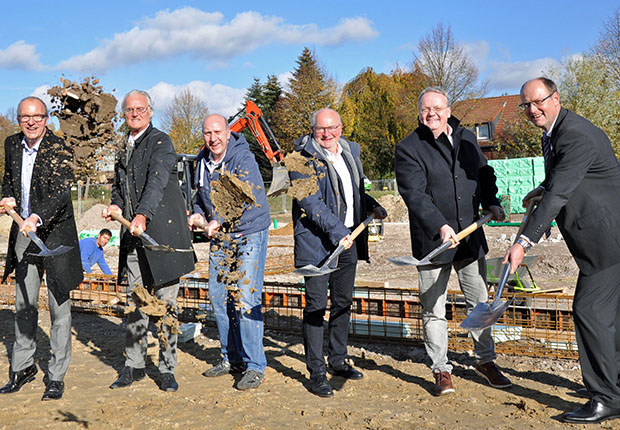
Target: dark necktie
{"x":546,"y":147}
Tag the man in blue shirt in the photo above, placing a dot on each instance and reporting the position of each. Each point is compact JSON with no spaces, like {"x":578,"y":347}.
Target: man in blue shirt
{"x":91,"y":249}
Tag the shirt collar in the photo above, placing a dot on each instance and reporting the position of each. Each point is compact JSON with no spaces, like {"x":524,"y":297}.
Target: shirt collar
{"x":548,"y":133}
{"x":35,"y":147}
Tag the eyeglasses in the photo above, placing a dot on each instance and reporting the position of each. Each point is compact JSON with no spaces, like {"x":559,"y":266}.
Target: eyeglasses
{"x":437,"y":110}
{"x":139,"y":110}
{"x":331,"y":129}
{"x":537,"y":103}
{"x":27,"y":118}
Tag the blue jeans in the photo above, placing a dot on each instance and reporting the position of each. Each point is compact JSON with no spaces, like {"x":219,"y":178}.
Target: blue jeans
{"x":241,"y":331}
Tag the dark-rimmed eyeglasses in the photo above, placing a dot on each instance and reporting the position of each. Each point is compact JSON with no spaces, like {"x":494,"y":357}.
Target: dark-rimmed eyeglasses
{"x":537,"y":103}
{"x":27,"y":118}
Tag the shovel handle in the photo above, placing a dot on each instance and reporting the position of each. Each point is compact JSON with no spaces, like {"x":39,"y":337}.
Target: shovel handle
{"x":472,"y":227}
{"x":18,"y":219}
{"x":120,"y":218}
{"x":360,"y":228}
{"x":530,"y":208}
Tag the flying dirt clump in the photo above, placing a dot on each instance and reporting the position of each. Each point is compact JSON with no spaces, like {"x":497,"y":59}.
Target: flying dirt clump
{"x":166,"y":316}
{"x":302,"y":187}
{"x":87,"y":118}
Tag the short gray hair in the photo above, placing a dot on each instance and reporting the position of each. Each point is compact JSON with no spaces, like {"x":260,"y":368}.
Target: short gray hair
{"x":438,"y":90}
{"x":136,"y":92}
{"x":316,"y":113}
{"x":32,"y":98}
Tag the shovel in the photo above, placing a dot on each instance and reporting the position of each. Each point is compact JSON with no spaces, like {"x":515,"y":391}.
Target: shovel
{"x":151,"y":244}
{"x":484,"y":315}
{"x":310,"y":270}
{"x":411,"y":261}
{"x":45,"y":251}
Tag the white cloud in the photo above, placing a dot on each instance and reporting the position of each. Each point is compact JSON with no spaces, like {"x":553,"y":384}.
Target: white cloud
{"x":41,"y":92}
{"x":20,"y":55}
{"x":209,"y":36}
{"x":218,"y":98}
{"x":478,"y":52}
{"x":284,"y":80}
{"x":505,"y":75}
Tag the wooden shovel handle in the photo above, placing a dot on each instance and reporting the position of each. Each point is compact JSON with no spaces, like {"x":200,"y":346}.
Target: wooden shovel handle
{"x":120,"y":218}
{"x":472,"y":227}
{"x":18,"y":219}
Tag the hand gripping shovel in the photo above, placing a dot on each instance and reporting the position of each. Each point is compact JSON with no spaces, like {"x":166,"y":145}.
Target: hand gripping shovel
{"x":45,"y":251}
{"x":150,"y":243}
{"x":410,"y":261}
{"x":310,"y":270}
{"x":484,"y":315}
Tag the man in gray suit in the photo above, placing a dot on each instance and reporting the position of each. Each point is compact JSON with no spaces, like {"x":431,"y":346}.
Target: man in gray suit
{"x":581,"y":191}
{"x":37,"y":183}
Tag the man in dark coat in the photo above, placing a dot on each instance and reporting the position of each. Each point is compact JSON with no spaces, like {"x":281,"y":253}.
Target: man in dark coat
{"x":444,"y":179}
{"x":37,"y":183}
{"x":146,"y":191}
{"x":322,"y":221}
{"x":581,"y":191}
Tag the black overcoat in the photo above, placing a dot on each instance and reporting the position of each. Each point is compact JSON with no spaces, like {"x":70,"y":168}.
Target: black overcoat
{"x":50,"y":199}
{"x":147,"y":185}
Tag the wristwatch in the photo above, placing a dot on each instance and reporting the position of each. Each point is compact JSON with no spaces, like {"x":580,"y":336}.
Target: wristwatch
{"x":525,"y":244}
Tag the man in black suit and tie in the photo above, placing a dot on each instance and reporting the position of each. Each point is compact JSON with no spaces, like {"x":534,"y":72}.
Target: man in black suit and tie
{"x":581,"y":191}
{"x":37,"y":182}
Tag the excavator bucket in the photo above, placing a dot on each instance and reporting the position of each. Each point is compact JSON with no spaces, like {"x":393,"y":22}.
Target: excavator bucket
{"x":279,"y":182}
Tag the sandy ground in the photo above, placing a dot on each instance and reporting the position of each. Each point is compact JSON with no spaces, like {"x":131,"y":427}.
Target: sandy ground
{"x":394,"y":394}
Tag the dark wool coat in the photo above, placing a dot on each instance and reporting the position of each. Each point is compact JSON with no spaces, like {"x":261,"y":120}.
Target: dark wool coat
{"x":148,"y":185}
{"x":444,"y":184}
{"x":50,"y":199}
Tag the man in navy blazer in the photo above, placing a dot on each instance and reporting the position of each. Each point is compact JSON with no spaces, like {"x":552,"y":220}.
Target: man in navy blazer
{"x":581,"y":191}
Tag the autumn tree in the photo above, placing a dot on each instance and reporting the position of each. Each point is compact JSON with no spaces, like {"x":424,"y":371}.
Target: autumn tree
{"x":8,"y":126}
{"x":182,"y":120}
{"x":447,"y":65}
{"x":372,"y":113}
{"x":309,"y":89}
{"x":519,"y":139}
{"x":608,"y":46}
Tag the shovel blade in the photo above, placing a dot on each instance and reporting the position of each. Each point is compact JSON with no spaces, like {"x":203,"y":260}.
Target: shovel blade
{"x":310,"y":270}
{"x":406,"y":260}
{"x":485,"y":315}
{"x":279,"y":181}
{"x":62,"y":249}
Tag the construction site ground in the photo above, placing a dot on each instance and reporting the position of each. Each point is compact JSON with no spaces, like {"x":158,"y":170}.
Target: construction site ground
{"x":395,"y":392}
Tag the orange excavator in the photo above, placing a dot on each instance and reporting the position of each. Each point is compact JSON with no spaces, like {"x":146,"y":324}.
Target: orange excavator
{"x":252,"y":118}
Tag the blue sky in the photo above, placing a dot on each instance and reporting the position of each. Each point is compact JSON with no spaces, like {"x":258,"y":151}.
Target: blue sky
{"x":216,"y":49}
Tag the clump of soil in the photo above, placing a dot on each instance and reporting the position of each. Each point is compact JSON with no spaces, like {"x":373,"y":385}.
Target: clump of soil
{"x":86,"y":115}
{"x":302,"y":187}
{"x":231,"y":197}
{"x":164,"y":314}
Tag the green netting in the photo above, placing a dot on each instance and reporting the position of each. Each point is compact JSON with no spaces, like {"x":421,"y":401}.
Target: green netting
{"x":516,"y":177}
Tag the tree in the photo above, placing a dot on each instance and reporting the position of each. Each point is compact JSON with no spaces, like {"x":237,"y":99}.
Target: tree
{"x":272,"y":91}
{"x":519,"y":139}
{"x":182,"y":120}
{"x":8,"y":126}
{"x":587,"y":87}
{"x":310,"y":89}
{"x":608,"y":46}
{"x":374,"y":112}
{"x":446,"y":65}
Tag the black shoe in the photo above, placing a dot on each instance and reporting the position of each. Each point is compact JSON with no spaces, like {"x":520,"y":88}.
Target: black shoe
{"x":18,"y":379}
{"x":168,"y":383}
{"x":591,"y":413}
{"x":53,"y":391}
{"x":127,"y":376}
{"x":320,"y":386}
{"x":345,"y":371}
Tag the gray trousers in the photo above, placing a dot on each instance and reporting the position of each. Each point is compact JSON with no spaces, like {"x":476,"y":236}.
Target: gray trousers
{"x":433,"y":284}
{"x":28,"y":279}
{"x":136,"y":341}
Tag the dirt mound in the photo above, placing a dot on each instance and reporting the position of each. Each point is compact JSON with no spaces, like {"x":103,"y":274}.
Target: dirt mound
{"x":92,"y":220}
{"x":395,"y":207}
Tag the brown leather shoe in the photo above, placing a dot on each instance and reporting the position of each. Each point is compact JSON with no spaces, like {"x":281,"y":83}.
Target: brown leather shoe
{"x":443,"y":384}
{"x":491,"y":373}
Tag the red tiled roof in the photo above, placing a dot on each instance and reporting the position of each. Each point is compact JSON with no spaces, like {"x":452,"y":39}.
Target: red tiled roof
{"x":480,"y":111}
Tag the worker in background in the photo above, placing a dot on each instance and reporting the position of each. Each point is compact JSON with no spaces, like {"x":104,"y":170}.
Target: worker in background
{"x":444,"y":179}
{"x":146,"y":192}
{"x":37,"y":183}
{"x":91,"y":250}
{"x":238,"y":246}
{"x":321,"y":222}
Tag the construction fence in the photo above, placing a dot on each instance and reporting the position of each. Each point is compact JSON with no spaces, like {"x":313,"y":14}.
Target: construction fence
{"x":538,"y":325}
